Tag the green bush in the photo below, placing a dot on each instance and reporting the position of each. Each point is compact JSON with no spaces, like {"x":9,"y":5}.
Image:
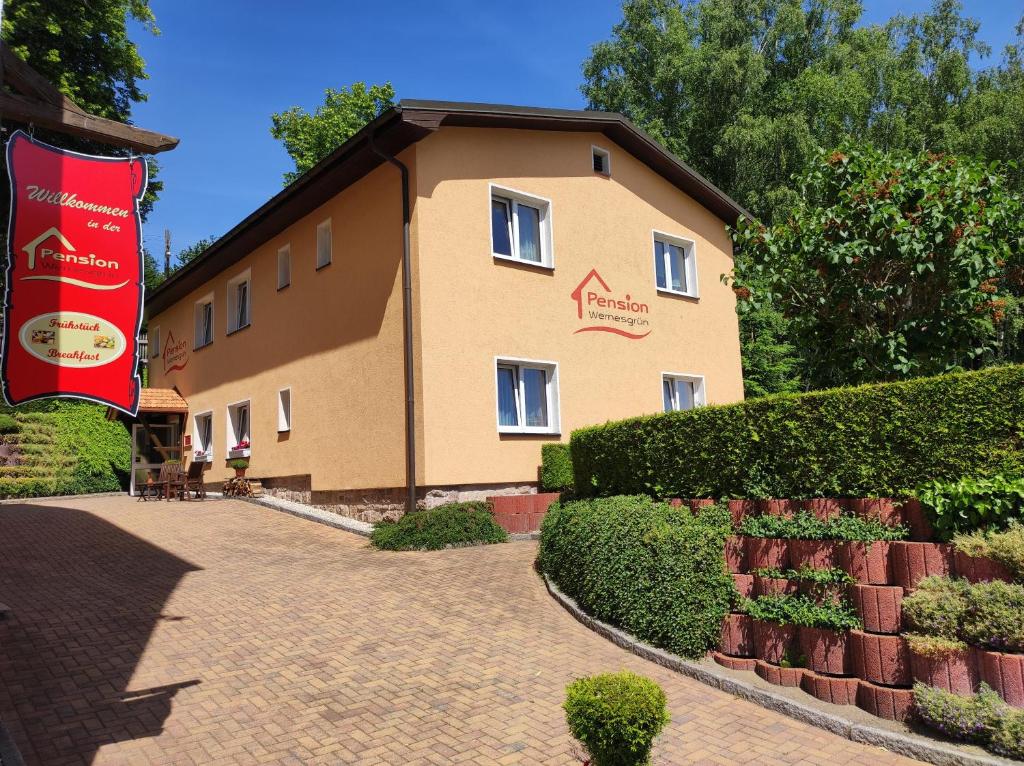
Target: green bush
{"x":556,"y":468}
{"x":1008,"y":736}
{"x":656,"y":571}
{"x":1006,"y":548}
{"x":806,"y":526}
{"x":933,"y":646}
{"x":937,"y":608}
{"x":452,"y":524}
{"x":870,"y":441}
{"x":616,"y":716}
{"x":802,"y":611}
{"x":8,"y":425}
{"x":967,"y":719}
{"x":969,"y":504}
{"x":995,"y":616}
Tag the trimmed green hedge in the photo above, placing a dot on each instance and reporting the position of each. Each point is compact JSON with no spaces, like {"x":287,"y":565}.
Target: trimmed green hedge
{"x":874,"y":440}
{"x":448,"y":525}
{"x":556,"y":468}
{"x":654,"y":570}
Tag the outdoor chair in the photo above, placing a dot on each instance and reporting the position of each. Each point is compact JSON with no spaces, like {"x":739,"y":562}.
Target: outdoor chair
{"x":146,"y":488}
{"x":169,"y":478}
{"x":192,"y":481}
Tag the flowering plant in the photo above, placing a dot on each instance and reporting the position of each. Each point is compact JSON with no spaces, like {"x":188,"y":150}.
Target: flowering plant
{"x":244,"y":444}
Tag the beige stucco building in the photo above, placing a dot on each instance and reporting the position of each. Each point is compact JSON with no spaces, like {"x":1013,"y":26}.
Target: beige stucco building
{"x":559,"y":269}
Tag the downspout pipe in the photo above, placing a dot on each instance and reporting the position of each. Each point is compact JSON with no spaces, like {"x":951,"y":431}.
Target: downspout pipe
{"x":410,"y":372}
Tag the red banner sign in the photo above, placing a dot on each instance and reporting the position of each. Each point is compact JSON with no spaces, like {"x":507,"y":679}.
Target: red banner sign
{"x":73,"y":304}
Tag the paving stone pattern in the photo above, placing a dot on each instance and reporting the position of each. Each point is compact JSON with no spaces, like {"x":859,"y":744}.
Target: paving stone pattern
{"x":221,"y":632}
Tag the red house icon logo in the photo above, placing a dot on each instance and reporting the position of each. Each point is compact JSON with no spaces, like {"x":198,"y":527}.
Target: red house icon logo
{"x":595,"y":303}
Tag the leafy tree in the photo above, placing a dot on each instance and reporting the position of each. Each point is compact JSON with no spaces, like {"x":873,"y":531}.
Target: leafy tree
{"x":892,"y":265}
{"x":193,"y":251}
{"x":84,"y":49}
{"x":308,"y":138}
{"x":771,"y":364}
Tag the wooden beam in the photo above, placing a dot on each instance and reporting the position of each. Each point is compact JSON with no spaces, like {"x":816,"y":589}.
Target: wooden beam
{"x":45,"y":115}
{"x":33,"y":99}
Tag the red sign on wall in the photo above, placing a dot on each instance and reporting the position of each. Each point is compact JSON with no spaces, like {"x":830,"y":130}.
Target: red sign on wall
{"x":73,"y":303}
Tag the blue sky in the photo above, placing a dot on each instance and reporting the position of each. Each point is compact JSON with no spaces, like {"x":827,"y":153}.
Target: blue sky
{"x":220,"y":69}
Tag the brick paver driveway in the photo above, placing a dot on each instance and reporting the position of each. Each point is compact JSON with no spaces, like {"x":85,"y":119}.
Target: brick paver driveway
{"x":225,"y":633}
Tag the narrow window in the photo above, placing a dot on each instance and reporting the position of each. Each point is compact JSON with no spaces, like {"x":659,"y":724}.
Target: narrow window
{"x":204,"y":322}
{"x":284,"y":267}
{"x":675,"y":266}
{"x":527,"y":397}
{"x":284,"y":410}
{"x":323,"y":244}
{"x":521,"y":228}
{"x":202,"y":437}
{"x":239,"y":440}
{"x":681,"y":392}
{"x":602,"y":161}
{"x":153,"y":338}
{"x":239,"y":297}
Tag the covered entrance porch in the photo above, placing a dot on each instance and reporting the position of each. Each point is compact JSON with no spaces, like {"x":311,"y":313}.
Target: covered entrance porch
{"x":158,"y":434}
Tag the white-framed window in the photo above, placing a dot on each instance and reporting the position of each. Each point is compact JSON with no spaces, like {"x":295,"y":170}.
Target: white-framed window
{"x":153,"y":338}
{"x":681,"y":391}
{"x":284,"y":267}
{"x":204,"y":321}
{"x":324,"y":244}
{"x":675,"y":264}
{"x":527,"y":396}
{"x":239,"y":439}
{"x":284,"y":410}
{"x":240,"y":301}
{"x":602,"y":160}
{"x":521,"y":227}
{"x":202,"y":437}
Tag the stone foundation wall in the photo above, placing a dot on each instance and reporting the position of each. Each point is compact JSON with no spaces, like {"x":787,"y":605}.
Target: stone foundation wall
{"x":373,"y":505}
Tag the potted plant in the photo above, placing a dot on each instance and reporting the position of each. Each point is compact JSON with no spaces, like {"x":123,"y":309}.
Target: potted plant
{"x":239,"y":465}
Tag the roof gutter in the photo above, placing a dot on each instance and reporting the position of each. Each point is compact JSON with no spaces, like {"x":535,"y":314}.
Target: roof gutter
{"x":410,"y":374}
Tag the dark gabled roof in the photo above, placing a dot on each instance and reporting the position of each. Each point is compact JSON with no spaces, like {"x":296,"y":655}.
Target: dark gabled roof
{"x":400,"y":127}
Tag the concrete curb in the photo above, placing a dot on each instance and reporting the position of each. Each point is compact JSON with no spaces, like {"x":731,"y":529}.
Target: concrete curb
{"x":902,"y":743}
{"x":308,"y":512}
{"x":30,"y":500}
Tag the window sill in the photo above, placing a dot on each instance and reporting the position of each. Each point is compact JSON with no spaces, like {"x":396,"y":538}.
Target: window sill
{"x":284,"y":287}
{"x":323,"y":266}
{"x":678,"y":293}
{"x":233,"y":453}
{"x":522,"y":262}
{"x":529,"y":431}
{"x":200,"y":348}
{"x":284,"y":430}
{"x":239,"y":329}
{"x":207,"y":458}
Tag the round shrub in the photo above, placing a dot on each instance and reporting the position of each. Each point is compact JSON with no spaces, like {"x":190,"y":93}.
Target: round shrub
{"x":994,"y":618}
{"x":967,"y":719}
{"x":8,"y":425}
{"x":656,"y":571}
{"x":616,"y":716}
{"x":937,"y":608}
{"x":1005,"y":548}
{"x":1008,"y":735}
{"x":556,"y":468}
{"x":449,"y":525}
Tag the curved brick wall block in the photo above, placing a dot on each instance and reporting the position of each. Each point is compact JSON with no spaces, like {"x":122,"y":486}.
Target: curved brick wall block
{"x":736,"y":554}
{"x":826,"y":651}
{"x":767,"y":553}
{"x":734,"y":663}
{"x":893,"y":704}
{"x":880,"y":659}
{"x":771,"y":586}
{"x":838,"y":691}
{"x":779,"y":676}
{"x":956,"y":672}
{"x":880,"y":607}
{"x":823,"y":507}
{"x":1004,"y":673}
{"x":867,"y":563}
{"x":744,"y":584}
{"x":737,"y":636}
{"x":817,"y":554}
{"x":772,"y":642}
{"x":912,"y":562}
{"x":979,"y":569}
{"x":885,"y":509}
